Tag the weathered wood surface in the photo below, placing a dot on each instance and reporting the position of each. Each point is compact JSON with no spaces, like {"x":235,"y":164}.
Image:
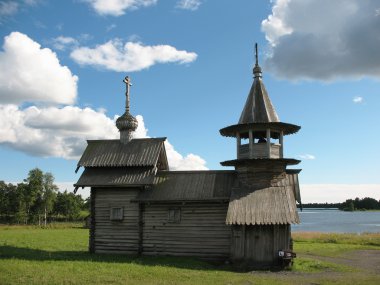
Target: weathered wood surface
{"x":259,"y":150}
{"x":116,"y":236}
{"x":202,"y":231}
{"x":259,"y":245}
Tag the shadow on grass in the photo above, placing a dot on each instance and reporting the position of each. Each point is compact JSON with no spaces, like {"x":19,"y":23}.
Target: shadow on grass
{"x":11,"y":252}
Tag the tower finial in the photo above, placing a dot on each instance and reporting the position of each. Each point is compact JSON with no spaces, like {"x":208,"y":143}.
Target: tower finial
{"x":128,"y":83}
{"x":256,"y":55}
{"x":126,"y":123}
{"x":257,"y":68}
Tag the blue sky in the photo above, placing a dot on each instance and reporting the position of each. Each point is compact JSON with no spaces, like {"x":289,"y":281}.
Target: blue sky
{"x":62,"y":65}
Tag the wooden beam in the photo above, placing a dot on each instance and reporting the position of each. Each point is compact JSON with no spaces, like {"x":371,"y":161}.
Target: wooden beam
{"x":250,"y":144}
{"x":238,"y":144}
{"x":268,"y":142}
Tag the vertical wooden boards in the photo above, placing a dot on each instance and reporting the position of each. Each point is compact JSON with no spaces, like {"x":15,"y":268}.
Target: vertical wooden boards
{"x":257,"y":246}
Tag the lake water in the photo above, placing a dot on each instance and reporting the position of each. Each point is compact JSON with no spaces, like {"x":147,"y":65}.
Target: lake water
{"x":333,"y":220}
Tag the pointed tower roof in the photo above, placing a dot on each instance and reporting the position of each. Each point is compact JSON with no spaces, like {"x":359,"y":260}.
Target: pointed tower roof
{"x":258,"y":113}
{"x":258,"y":107}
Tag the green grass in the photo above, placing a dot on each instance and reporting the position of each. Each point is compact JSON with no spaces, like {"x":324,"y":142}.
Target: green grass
{"x":58,"y":255}
{"x":332,"y":244}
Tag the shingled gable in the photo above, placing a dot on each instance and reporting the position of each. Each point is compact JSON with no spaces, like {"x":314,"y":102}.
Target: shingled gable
{"x":113,"y":163}
{"x":113,"y":153}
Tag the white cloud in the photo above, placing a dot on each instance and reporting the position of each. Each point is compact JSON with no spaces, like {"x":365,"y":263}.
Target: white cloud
{"x":62,"y":42}
{"x":334,"y":193}
{"x":131,"y":56}
{"x":357,"y":99}
{"x":189,"y":4}
{"x":307,"y":156}
{"x":179,"y":162}
{"x":52,"y":131}
{"x":30,"y":73}
{"x":118,"y":7}
{"x":323,"y":39}
{"x":274,"y":27}
{"x":175,"y":159}
{"x":8,"y":8}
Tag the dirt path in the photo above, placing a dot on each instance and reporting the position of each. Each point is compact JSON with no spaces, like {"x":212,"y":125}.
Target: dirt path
{"x":368,"y":260}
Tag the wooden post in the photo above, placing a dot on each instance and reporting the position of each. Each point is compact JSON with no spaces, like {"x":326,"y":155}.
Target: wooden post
{"x":282,"y":144}
{"x":250,"y":144}
{"x":238,"y":143}
{"x":268,"y":142}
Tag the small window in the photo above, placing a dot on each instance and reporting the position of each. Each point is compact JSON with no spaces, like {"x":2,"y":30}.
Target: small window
{"x":116,"y":214}
{"x":174,"y":215}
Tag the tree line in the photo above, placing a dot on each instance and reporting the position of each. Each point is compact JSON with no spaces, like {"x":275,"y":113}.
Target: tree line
{"x":356,"y":204}
{"x":360,"y":204}
{"x":36,"y":200}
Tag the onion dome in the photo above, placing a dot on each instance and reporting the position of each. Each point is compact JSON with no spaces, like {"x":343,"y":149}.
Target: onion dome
{"x":126,"y":122}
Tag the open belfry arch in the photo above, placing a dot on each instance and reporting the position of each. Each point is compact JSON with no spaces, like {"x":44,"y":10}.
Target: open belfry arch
{"x":140,"y":206}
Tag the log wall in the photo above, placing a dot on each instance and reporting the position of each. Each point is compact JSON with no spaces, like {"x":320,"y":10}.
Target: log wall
{"x":201,"y":232}
{"x":116,"y":236}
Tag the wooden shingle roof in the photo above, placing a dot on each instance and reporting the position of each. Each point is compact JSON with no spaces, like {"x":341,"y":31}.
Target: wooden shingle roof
{"x":113,"y":153}
{"x":258,"y":107}
{"x":269,"y":206}
{"x":274,"y":205}
{"x":190,"y":186}
{"x":116,"y":176}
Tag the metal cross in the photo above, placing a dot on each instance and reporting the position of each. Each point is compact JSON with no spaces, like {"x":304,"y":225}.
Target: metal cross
{"x":128,"y":83}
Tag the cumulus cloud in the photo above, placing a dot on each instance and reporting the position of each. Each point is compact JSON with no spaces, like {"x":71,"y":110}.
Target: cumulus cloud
{"x":189,"y":4}
{"x":307,"y":156}
{"x":62,"y":42}
{"x":53,"y":131}
{"x":62,"y":132}
{"x":30,"y":73}
{"x":118,"y":7}
{"x":176,"y":160}
{"x":131,"y":56}
{"x":357,"y":100}
{"x":323,"y":40}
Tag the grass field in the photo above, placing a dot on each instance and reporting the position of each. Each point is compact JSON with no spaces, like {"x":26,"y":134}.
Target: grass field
{"x":58,"y":255}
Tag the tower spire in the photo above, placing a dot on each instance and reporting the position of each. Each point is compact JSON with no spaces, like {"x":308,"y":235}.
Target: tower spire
{"x":126,"y":123}
{"x":257,"y":69}
{"x":256,"y":55}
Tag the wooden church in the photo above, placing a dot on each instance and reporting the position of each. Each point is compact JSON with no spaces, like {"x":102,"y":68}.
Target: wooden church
{"x":139,"y":206}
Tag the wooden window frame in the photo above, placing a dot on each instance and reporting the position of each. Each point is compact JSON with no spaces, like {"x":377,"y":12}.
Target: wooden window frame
{"x":174,"y":215}
{"x":112,"y":214}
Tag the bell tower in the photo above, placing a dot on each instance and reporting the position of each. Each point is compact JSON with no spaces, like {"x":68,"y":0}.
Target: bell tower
{"x":262,"y":205}
{"x":259,"y":124}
